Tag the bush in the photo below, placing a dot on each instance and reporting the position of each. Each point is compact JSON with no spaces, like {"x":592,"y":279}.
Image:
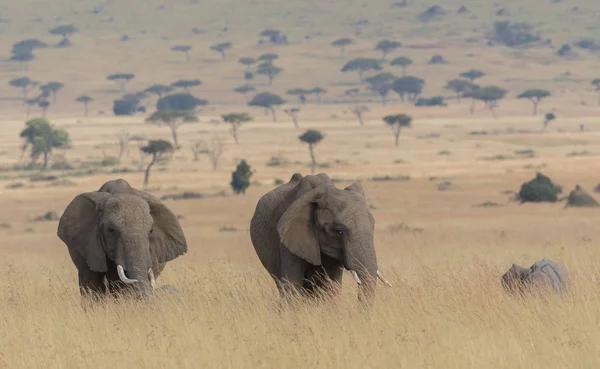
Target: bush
{"x":125,"y":106}
{"x":513,"y":34}
{"x":431,"y":101}
{"x":240,"y":179}
{"x":539,"y":189}
{"x":109,"y":161}
{"x":278,"y":181}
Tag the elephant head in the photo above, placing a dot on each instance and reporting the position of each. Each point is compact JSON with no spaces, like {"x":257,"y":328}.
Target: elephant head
{"x":516,"y":278}
{"x":129,"y":230}
{"x":336,"y":223}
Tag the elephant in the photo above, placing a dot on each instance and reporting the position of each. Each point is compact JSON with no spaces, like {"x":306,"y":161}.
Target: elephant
{"x":121,"y":236}
{"x":307,"y":231}
{"x":542,"y":273}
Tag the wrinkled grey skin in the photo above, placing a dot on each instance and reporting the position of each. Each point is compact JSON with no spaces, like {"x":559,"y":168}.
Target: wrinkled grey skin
{"x":119,"y":225}
{"x":307,"y":230}
{"x":542,"y":273}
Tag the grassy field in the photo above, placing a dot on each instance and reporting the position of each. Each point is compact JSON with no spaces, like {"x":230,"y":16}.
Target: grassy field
{"x":443,"y":251}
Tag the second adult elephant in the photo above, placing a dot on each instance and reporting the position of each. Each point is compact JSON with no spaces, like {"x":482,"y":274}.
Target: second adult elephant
{"x":307,"y":231}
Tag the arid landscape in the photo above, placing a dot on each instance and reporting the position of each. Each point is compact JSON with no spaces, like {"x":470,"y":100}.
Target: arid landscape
{"x":445,"y":199}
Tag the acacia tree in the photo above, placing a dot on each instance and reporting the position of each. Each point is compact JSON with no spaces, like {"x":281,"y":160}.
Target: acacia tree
{"x":293,"y":113}
{"x":535,"y":96}
{"x":121,"y":79}
{"x":52,"y":88}
{"x":247,"y":61}
{"x":236,"y":120}
{"x":268,"y":58}
{"x":342,"y":43}
{"x":490,"y":95}
{"x":312,"y":138}
{"x":361,"y":65}
{"x":183,"y":49}
{"x":22,"y":51}
{"x":300,"y":93}
{"x":222,"y":48}
{"x":172,"y":119}
{"x":244,"y":90}
{"x":159,"y":90}
{"x":44,"y":105}
{"x":359,"y":111}
{"x":381,"y":84}
{"x":42,"y":137}
{"x":459,"y":86}
{"x":156,"y":148}
{"x":268,"y":70}
{"x":397,"y":122}
{"x":387,"y":46}
{"x":65,"y":31}
{"x":408,"y":86}
{"x":186,"y":84}
{"x":24,"y":83}
{"x":472,"y":74}
{"x":268,"y":101}
{"x":548,"y":118}
{"x":402,"y":62}
{"x":213,"y":149}
{"x":319,"y":91}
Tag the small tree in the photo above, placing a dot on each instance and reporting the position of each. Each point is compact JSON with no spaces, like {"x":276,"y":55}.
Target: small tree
{"x":196,"y":149}
{"x":179,"y":101}
{"x":268,"y":70}
{"x":44,"y":105}
{"x":42,"y":137}
{"x":548,"y":118}
{"x":22,"y":51}
{"x":293,"y":113}
{"x":490,"y":95}
{"x":52,"y":88}
{"x":222,"y":48}
{"x":319,"y":91}
{"x":382,"y":89}
{"x":29,"y":103}
{"x":236,"y":120}
{"x":353,"y":93}
{"x":268,"y":58}
{"x":596,"y":84}
{"x":361,"y":65}
{"x":213,"y":149}
{"x":65,"y":31}
{"x":172,"y":119}
{"x":342,"y":43}
{"x":535,"y":96}
{"x":244,"y":90}
{"x":123,"y":144}
{"x":300,"y":93}
{"x":248,"y":62}
{"x":397,"y":122}
{"x":268,"y":101}
{"x":240,"y":179}
{"x":402,"y":62}
{"x":387,"y":46}
{"x":24,"y":83}
{"x":186,"y":84}
{"x":312,"y":138}
{"x":359,"y":111}
{"x":408,"y":86}
{"x":183,"y":49}
{"x":472,"y":74}
{"x":127,"y":105}
{"x":156,"y":148}
{"x":459,"y":86}
{"x":159,"y":90}
{"x":121,"y":79}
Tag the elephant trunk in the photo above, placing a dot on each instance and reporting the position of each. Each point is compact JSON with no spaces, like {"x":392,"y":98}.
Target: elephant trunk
{"x":134,"y":267}
{"x":361,"y":260}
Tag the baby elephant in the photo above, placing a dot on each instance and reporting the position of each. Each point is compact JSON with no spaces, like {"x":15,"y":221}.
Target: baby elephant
{"x":542,"y":273}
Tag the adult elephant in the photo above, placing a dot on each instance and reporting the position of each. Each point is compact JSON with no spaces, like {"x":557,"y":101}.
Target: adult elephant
{"x":120,"y":235}
{"x":307,"y":230}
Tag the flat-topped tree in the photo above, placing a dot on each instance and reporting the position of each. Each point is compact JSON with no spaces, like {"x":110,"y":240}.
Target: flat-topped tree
{"x":121,"y":78}
{"x":172,"y":119}
{"x":22,"y":51}
{"x":472,"y":74}
{"x":268,"y":101}
{"x":387,"y":46}
{"x":66,"y":31}
{"x":186,"y":84}
{"x":319,"y":91}
{"x":490,"y":95}
{"x":409,"y":86}
{"x":361,"y":65}
{"x":402,"y":62}
{"x":382,"y":89}
{"x":29,"y":103}
{"x":183,"y":49}
{"x":52,"y":88}
{"x":293,"y":113}
{"x":221,"y":48}
{"x":268,"y":57}
{"x":44,"y":105}
{"x":548,"y":118}
{"x":312,"y":138}
{"x":269,"y":70}
{"x":535,"y":96}
{"x":42,"y":138}
{"x":359,"y":111}
{"x":247,"y":61}
{"x":596,"y":84}
{"x":158,"y":149}
{"x":397,"y":122}
{"x":159,"y":90}
{"x":459,"y":86}
{"x":180,"y":101}
{"x":236,"y":120}
{"x":342,"y":44}
{"x":353,"y":94}
{"x":24,"y":83}
{"x":85,"y":100}
{"x":244,"y":90}
{"x":300,"y":93}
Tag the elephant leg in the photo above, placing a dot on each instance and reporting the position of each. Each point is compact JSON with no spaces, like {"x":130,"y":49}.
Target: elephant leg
{"x":293,"y":269}
{"x":326,"y":277}
{"x":91,"y":283}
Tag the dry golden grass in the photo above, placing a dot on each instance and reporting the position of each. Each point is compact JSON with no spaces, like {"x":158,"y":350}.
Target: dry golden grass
{"x":446,"y":308}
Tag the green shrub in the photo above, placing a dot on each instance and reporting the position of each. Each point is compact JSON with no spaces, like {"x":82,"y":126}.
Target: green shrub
{"x":539,"y":189}
{"x":240,"y":179}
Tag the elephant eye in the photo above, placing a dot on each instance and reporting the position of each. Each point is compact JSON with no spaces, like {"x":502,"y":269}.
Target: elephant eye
{"x":338,"y":229}
{"x":151,"y":230}
{"x":111,"y":230}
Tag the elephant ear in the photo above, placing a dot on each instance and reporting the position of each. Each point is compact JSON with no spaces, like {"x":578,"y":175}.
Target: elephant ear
{"x":167,"y":240}
{"x":78,"y":228}
{"x":356,"y":187}
{"x":296,"y":227}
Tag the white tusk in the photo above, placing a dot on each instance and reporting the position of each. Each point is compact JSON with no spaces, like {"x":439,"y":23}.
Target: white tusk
{"x":355,"y":277}
{"x":123,"y":277}
{"x":152,"y":280}
{"x":383,"y":279}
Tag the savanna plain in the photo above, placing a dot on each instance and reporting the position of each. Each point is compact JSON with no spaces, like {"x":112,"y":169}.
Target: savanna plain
{"x":447,"y":226}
